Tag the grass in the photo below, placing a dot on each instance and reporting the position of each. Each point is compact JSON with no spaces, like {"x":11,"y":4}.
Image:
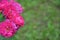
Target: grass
{"x":41,"y":20}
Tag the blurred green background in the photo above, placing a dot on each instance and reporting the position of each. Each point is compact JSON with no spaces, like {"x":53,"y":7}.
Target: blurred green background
{"x":42,"y":20}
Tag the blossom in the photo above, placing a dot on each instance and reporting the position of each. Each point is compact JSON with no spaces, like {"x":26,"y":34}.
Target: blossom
{"x":18,"y":7}
{"x":12,"y":5}
{"x":11,"y":10}
{"x":18,"y":20}
{"x":7,"y":28}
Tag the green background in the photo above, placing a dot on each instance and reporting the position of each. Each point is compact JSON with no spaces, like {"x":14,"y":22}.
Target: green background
{"x":42,"y":20}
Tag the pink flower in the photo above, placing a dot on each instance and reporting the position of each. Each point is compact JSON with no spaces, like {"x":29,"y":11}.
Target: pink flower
{"x":12,"y":5}
{"x":7,"y":28}
{"x":10,"y":9}
{"x":18,"y":20}
{"x":18,"y":7}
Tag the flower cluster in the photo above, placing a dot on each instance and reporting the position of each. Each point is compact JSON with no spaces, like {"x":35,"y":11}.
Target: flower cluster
{"x":11,"y":10}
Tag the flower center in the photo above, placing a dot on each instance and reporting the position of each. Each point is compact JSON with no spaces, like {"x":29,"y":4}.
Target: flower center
{"x":8,"y":29}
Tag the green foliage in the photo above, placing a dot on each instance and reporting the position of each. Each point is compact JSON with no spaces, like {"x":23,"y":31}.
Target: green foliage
{"x":1,"y":18}
{"x":41,"y":21}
